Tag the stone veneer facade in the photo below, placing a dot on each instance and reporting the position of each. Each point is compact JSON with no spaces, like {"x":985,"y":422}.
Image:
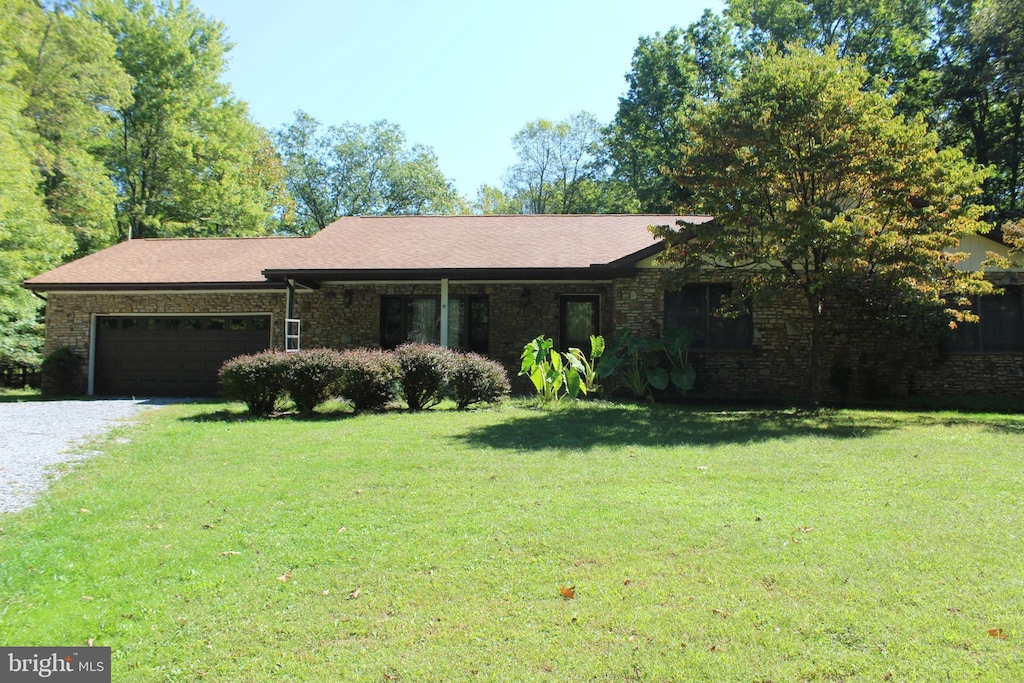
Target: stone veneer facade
{"x":348,"y":315}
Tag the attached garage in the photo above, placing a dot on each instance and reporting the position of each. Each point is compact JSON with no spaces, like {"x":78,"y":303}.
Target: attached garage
{"x":171,"y":355}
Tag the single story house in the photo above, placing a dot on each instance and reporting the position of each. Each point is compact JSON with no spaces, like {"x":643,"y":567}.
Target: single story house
{"x":157,"y":317}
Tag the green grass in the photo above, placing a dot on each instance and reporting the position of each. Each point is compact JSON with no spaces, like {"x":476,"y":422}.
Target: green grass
{"x":11,"y":395}
{"x":708,"y":546}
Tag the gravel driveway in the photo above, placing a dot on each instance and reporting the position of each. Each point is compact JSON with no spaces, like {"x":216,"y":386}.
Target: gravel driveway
{"x":36,"y":435}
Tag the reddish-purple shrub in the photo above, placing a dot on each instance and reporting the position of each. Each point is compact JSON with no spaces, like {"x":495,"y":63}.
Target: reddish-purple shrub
{"x":312,"y":376}
{"x":369,"y":378}
{"x":256,"y":380}
{"x":476,"y":379}
{"x":425,"y":369}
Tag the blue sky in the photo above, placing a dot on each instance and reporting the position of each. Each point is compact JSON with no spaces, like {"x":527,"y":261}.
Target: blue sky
{"x":460,"y":76}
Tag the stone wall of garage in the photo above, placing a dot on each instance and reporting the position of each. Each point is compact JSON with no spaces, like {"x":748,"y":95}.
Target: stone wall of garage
{"x":69,"y":314}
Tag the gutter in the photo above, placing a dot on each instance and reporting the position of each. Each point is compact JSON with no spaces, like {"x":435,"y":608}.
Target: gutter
{"x":595,"y":272}
{"x":36,"y":287}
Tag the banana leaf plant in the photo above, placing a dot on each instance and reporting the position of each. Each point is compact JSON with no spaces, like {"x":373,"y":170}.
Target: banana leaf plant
{"x":586,"y":366}
{"x":551,"y":377}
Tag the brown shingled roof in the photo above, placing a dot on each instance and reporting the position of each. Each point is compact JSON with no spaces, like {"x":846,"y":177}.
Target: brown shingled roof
{"x":478,"y":242}
{"x":165,"y":262}
{"x":369,"y":245}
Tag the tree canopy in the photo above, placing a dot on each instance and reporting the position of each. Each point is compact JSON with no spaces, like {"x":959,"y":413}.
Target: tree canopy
{"x":188,"y":160}
{"x":39,"y":163}
{"x":354,"y":169}
{"x":561,"y":168}
{"x":818,"y":188}
{"x":116,"y":122}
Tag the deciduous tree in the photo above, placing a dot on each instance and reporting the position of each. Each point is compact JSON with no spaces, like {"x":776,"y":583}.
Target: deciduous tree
{"x":188,"y":161}
{"x":67,"y":67}
{"x":30,"y":241}
{"x":354,"y":169}
{"x":645,"y":140}
{"x":817,"y":187}
{"x":557,"y":160}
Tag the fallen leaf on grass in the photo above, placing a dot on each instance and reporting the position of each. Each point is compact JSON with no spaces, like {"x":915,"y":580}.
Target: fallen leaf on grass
{"x":230,"y":552}
{"x":284,"y":577}
{"x":83,"y":511}
{"x":340,"y":529}
{"x":354,"y":595}
{"x":998,"y":633}
{"x":627,"y":582}
{"x":568,"y":592}
{"x":720,"y":612}
{"x":87,"y":598}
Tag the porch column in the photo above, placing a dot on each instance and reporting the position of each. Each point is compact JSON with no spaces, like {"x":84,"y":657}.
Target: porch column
{"x":444,"y":312}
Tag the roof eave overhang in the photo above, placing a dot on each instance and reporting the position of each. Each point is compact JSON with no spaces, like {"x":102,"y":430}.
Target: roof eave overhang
{"x":623,"y":267}
{"x":148,"y":286}
{"x":595,"y":272}
{"x":636,"y":257}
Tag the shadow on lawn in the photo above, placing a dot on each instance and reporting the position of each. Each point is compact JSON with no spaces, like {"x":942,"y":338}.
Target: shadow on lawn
{"x":233,"y":416}
{"x":612,"y":424}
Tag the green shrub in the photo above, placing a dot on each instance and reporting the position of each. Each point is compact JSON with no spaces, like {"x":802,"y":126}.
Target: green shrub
{"x":369,"y":378}
{"x":475,"y":379}
{"x":257,"y":380}
{"x":311,"y":377}
{"x":62,"y":372}
{"x":424,"y":373}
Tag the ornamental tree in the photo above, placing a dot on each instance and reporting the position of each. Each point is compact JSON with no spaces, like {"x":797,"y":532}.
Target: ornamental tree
{"x":818,"y":188}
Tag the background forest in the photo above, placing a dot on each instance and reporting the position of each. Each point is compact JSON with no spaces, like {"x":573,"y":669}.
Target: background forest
{"x":116,"y":123}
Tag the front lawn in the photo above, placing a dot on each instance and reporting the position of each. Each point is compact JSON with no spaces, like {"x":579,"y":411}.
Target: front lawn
{"x":721,"y":546}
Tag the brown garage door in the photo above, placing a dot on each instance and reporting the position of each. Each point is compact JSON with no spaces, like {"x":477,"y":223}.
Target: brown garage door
{"x":171,"y":356}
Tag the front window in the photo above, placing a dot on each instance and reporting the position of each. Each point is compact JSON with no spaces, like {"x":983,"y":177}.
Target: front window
{"x":698,"y":307}
{"x":1000,"y":326}
{"x":580,"y":317}
{"x":418,"y":319}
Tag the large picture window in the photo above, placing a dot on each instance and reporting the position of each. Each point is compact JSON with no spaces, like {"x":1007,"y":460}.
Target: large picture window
{"x":697,"y":306}
{"x":1000,"y":327}
{"x":418,"y":319}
